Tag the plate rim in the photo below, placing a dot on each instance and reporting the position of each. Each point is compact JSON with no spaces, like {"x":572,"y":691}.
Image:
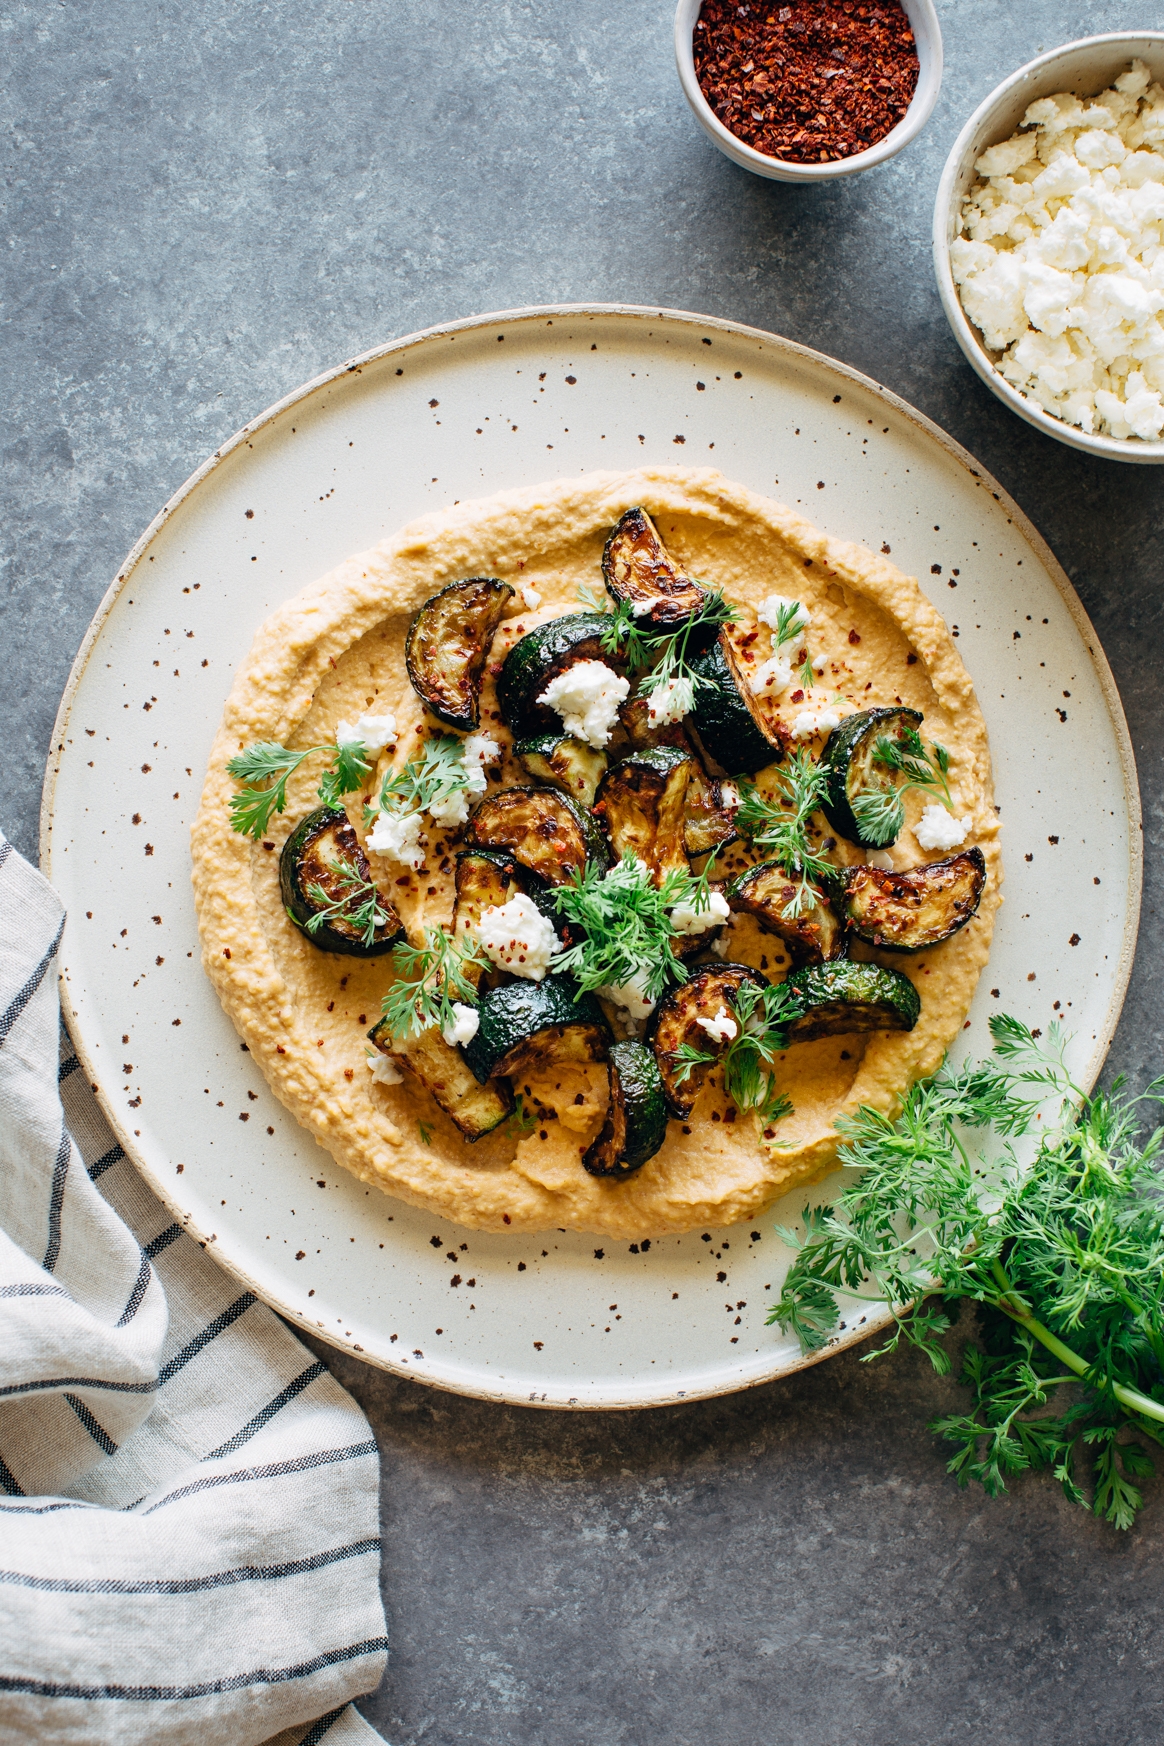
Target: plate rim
{"x":791,"y":349}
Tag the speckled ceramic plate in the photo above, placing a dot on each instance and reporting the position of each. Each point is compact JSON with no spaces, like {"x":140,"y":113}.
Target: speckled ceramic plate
{"x":561,"y":1320}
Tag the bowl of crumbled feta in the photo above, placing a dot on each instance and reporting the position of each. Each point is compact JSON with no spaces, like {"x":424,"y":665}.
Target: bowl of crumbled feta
{"x":1049,"y":244}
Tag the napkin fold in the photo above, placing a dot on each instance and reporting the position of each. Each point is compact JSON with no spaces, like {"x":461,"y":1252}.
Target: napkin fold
{"x":189,"y":1525}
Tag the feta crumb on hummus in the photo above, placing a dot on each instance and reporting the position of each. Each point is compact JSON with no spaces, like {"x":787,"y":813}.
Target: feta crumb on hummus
{"x":769,"y":610}
{"x":685,"y":920}
{"x":373,"y":732}
{"x":938,"y":829}
{"x":722,"y":1028}
{"x":384,"y":1071}
{"x":814,"y":721}
{"x":396,"y":836}
{"x":632,"y":996}
{"x":466,"y":1021}
{"x":587,"y":696}
{"x":670,"y":702}
{"x":774,"y":674}
{"x":518,"y":937}
{"x":1060,"y":260}
{"x":531,"y":597}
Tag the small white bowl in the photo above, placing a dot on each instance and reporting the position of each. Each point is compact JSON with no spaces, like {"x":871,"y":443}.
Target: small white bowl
{"x":1086,"y":68}
{"x":928,"y":40}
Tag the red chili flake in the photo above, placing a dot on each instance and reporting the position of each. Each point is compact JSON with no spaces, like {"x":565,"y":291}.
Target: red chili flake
{"x":809,"y":82}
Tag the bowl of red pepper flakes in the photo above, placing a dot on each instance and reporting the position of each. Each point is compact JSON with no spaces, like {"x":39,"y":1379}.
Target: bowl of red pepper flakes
{"x":808,"y":90}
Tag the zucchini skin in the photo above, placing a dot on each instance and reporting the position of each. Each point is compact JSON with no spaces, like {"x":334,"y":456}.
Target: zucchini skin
{"x":634,"y":715}
{"x":563,"y":762}
{"x":523,"y":1022}
{"x":641,"y":804}
{"x":441,"y":1070}
{"x":544,"y":830}
{"x":636,"y":569}
{"x":728,"y":722}
{"x":537,"y":658}
{"x":916,"y":909}
{"x":674,"y":1022}
{"x":847,"y":757}
{"x":304,"y":861}
{"x":636,"y":1120}
{"x":844,"y":997}
{"x":709,"y":821}
{"x":448,"y":644}
{"x":815,"y":936}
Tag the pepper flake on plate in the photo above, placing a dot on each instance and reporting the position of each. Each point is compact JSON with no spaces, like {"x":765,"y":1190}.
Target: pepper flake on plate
{"x":810,"y":81}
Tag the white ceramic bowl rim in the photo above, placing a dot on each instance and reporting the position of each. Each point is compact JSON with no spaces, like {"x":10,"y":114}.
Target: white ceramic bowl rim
{"x":967,"y":335}
{"x":921,"y":104}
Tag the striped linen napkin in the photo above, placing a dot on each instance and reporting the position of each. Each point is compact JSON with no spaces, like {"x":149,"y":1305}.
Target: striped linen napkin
{"x":189,"y":1535}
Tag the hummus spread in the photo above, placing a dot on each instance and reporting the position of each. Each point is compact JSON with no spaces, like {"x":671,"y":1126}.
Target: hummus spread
{"x":336,"y":651}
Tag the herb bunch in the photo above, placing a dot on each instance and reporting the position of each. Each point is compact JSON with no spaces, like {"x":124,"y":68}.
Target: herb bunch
{"x":358,"y":904}
{"x":1066,"y":1257}
{"x":265,"y":767}
{"x":780,"y":825}
{"x":880,"y":810}
{"x":429,"y":978}
{"x":787,"y":629}
{"x":763,"y":1016}
{"x":666,"y":653}
{"x":626,"y":923}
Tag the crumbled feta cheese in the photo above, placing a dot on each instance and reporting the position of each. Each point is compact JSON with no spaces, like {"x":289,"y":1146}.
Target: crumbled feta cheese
{"x":769,"y":610}
{"x":938,"y":829}
{"x":814,"y":721}
{"x":587,"y":696}
{"x":384,"y":1071}
{"x":465,"y":1023}
{"x":531,"y":596}
{"x":632,"y":996}
{"x":686,"y":920}
{"x":1060,"y":263}
{"x":772,"y":675}
{"x":479,"y":750}
{"x":722,"y":1028}
{"x":729,"y":794}
{"x":396,"y":836}
{"x":373,"y":732}
{"x":450,"y":808}
{"x":670,"y":702}
{"x":518,"y":937}
{"x":640,"y":608}
{"x":720,"y":946}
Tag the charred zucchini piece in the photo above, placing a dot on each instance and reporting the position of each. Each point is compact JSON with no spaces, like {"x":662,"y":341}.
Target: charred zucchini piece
{"x":848,"y":758}
{"x":767,"y":892}
{"x":448,"y":643}
{"x":485,"y":878}
{"x":636,"y":569}
{"x":907,"y":912}
{"x":636,"y":1118}
{"x":530,"y":1026}
{"x":727,"y":716}
{"x":843,"y":997}
{"x":441,"y":1069}
{"x":675,"y":1022}
{"x":539,"y":657}
{"x":546,"y":832}
{"x":564,"y":763}
{"x":634,"y":715}
{"x":709,"y":814}
{"x":640,"y":801}
{"x":325,"y":879}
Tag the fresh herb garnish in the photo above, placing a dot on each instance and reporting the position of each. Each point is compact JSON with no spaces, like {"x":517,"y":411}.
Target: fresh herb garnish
{"x":270,"y":763}
{"x":787,"y":629}
{"x":358,"y":904}
{"x":429,"y":979}
{"x":626,"y":918}
{"x":781,"y":825}
{"x":880,"y":811}
{"x":763,"y":1016}
{"x":1066,"y":1257}
{"x":425,"y":1133}
{"x":522,"y":1121}
{"x":430,"y":779}
{"x":665,"y":652}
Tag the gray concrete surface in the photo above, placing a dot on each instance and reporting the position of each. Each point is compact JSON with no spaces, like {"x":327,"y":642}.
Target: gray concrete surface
{"x":206,"y":204}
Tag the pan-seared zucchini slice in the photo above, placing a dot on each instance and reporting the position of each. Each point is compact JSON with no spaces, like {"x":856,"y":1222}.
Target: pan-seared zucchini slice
{"x":448,"y":643}
{"x":726,"y":715}
{"x":441,"y":1069}
{"x":635,"y":717}
{"x":640,"y":801}
{"x":636,"y":1118}
{"x":485,"y":878}
{"x":564,"y":763}
{"x":843,"y":997}
{"x":812,"y":930}
{"x":537,"y":658}
{"x":636,"y":569}
{"x":526,"y":1027}
{"x":675,"y":1022}
{"x":709,"y":814}
{"x":848,"y":759}
{"x":910,"y":911}
{"x":327,"y":888}
{"x":546,"y":832}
